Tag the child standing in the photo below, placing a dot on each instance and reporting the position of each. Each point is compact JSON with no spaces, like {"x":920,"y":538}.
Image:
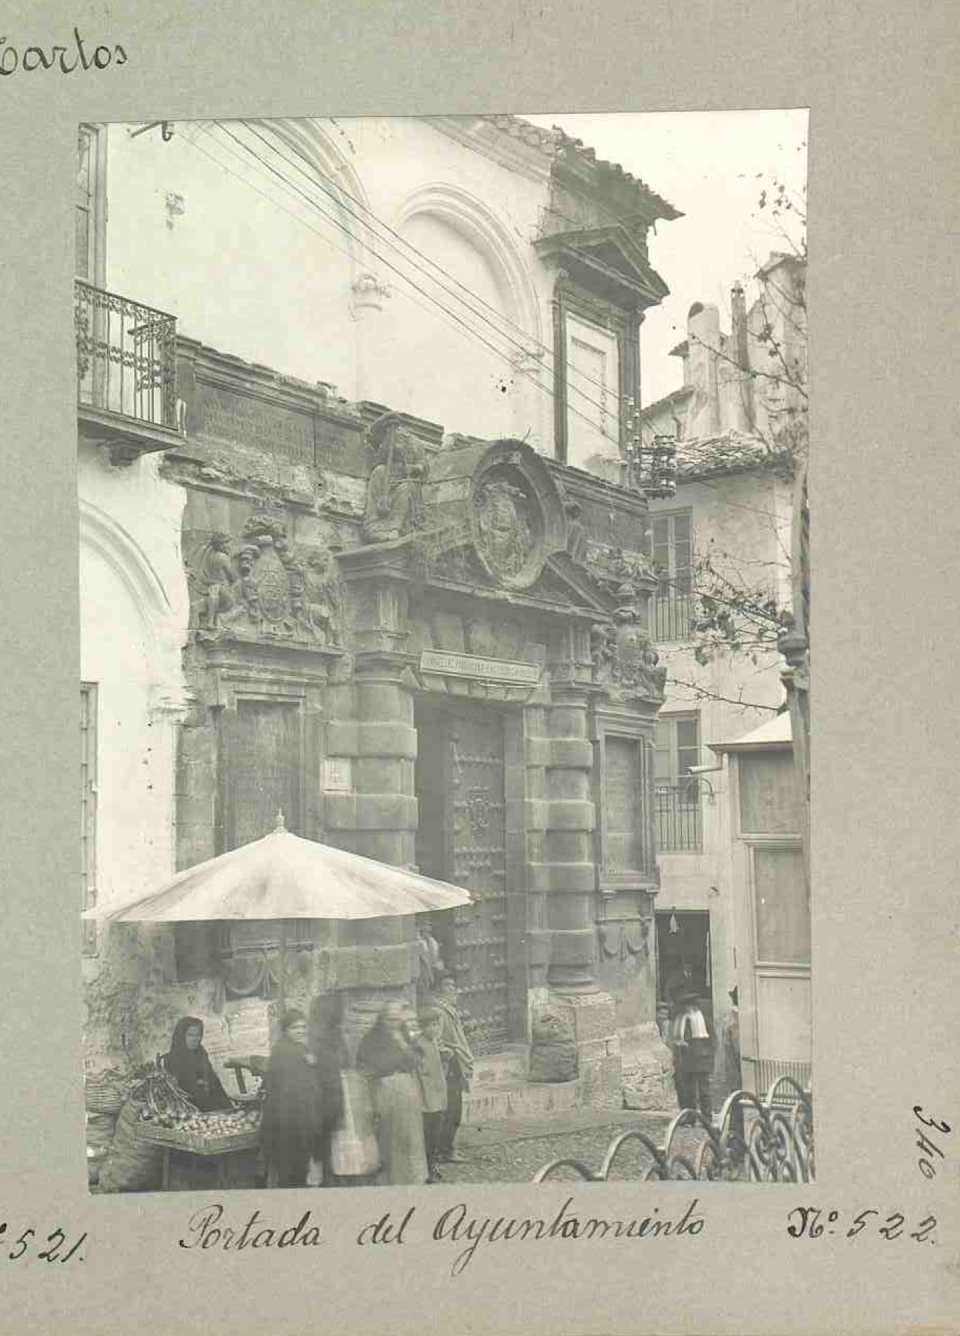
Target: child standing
{"x":433,"y":1085}
{"x":693,"y":1054}
{"x":457,"y":1060}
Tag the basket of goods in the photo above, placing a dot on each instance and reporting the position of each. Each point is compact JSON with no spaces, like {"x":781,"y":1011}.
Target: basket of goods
{"x":106,"y":1093}
{"x":169,"y":1118}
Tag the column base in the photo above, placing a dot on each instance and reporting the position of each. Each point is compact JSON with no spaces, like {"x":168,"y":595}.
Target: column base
{"x":599,"y":1072}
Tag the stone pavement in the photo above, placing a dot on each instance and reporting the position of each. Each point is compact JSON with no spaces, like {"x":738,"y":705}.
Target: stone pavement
{"x":478,"y":1136}
{"x":513,"y":1150}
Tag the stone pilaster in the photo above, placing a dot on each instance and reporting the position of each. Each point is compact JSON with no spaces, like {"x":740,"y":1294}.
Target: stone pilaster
{"x":377,"y":816}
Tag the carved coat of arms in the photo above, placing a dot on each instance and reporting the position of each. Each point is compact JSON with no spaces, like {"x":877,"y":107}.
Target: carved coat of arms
{"x":264,"y":589}
{"x":504,"y":523}
{"x":623,"y":655}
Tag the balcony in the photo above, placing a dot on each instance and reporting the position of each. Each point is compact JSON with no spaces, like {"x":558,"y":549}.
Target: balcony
{"x":126,"y":374}
{"x":679,"y":824}
{"x":672,"y":617}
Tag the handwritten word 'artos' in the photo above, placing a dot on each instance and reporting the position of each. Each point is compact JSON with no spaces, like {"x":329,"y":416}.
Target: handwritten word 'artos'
{"x":65,"y":59}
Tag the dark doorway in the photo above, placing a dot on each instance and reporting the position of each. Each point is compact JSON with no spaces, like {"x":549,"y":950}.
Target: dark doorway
{"x":683,"y":951}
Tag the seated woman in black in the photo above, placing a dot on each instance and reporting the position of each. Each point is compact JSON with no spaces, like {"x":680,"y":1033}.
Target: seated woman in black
{"x":189,"y":1065}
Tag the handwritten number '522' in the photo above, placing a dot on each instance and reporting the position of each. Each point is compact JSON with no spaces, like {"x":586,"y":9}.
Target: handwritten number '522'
{"x":859,"y":1223}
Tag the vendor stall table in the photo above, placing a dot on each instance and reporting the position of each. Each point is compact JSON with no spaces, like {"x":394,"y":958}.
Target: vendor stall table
{"x":214,"y":1163}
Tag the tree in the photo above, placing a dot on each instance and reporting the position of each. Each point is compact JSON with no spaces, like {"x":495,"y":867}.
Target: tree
{"x":742,"y":607}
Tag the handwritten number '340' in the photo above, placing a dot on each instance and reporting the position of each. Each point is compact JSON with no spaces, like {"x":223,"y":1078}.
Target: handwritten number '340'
{"x":924,"y":1142}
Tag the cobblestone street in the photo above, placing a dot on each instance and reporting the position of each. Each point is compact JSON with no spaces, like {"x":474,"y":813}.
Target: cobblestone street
{"x":512,"y":1152}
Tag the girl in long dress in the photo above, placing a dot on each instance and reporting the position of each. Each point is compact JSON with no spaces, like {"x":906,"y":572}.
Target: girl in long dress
{"x":390,"y":1056}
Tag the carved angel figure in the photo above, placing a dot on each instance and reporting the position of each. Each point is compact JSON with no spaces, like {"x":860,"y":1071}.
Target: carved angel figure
{"x":218,"y":578}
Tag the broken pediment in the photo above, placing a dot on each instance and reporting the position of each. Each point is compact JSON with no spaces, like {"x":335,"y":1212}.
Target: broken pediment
{"x":606,"y":260}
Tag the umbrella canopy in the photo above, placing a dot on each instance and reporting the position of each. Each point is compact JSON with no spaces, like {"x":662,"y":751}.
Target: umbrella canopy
{"x":282,"y":876}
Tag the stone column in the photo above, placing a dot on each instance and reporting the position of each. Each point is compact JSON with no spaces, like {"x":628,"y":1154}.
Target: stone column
{"x":566,"y":816}
{"x":377,"y":818}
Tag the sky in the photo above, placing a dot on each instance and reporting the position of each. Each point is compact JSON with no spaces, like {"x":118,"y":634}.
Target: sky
{"x":711,"y":166}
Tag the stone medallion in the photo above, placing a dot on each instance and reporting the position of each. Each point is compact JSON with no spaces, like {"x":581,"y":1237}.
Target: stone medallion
{"x":508,"y":524}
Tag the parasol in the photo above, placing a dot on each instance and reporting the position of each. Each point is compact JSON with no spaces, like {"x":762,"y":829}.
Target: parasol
{"x":280,"y":877}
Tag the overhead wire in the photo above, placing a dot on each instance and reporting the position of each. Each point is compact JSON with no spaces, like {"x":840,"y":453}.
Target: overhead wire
{"x":339,"y":193}
{"x":523,"y":347}
{"x":454,"y":323}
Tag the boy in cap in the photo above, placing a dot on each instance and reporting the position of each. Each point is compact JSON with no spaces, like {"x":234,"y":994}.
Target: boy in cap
{"x":694,"y":1042}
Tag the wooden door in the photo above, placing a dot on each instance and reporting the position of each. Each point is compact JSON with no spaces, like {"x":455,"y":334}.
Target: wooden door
{"x":460,"y":784}
{"x":476,"y":825}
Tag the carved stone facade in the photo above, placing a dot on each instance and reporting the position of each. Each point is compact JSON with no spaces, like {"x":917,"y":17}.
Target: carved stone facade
{"x":430,"y":673}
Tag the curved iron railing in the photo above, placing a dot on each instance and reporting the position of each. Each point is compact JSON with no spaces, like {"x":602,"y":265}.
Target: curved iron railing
{"x":754,"y":1140}
{"x":126,"y":356}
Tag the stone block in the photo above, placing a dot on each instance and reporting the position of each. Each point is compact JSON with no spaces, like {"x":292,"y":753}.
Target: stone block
{"x":536,"y":751}
{"x":340,"y":811}
{"x":569,"y":814}
{"x":388,"y":739}
{"x":553,"y":1052}
{"x":594,"y":1016}
{"x":538,"y":947}
{"x":535,"y":814}
{"x":377,"y":774}
{"x":375,"y":966}
{"x":600,"y":1084}
{"x":568,"y":754}
{"x":385,"y":811}
{"x":343,"y":738}
{"x":564,"y":877}
{"x":647,"y":1069}
{"x":574,"y":946}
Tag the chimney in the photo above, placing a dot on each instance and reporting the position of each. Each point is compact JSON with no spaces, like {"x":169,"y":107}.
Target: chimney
{"x":703,"y":334}
{"x":741,"y":351}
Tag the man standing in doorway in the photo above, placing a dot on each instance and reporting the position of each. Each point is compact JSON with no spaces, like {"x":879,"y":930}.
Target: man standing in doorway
{"x":457,"y":1059}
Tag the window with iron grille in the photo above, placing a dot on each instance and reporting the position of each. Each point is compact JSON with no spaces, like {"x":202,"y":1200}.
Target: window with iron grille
{"x":672,"y":535}
{"x":676,"y":791}
{"x":88,"y":811}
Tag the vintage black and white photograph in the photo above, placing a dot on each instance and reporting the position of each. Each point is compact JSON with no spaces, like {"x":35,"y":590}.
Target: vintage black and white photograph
{"x":445,"y":650}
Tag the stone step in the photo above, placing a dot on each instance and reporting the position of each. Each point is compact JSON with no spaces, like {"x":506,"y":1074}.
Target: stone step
{"x":517,"y":1100}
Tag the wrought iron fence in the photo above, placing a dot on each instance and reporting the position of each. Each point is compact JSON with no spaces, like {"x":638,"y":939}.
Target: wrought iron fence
{"x":754,"y":1140}
{"x":679,"y":824}
{"x":126,"y":356}
{"x":672,"y":616}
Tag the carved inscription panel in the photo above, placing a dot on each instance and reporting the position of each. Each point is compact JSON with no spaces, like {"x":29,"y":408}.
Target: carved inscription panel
{"x":624,"y":804}
{"x":260,"y":770}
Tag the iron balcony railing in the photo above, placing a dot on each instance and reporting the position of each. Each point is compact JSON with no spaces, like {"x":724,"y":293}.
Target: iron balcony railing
{"x":126,"y":356}
{"x":679,"y":823}
{"x":672,"y":616}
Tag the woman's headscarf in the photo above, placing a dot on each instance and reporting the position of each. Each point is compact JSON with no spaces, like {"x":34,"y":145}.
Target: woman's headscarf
{"x":178,"y":1044}
{"x":187,"y":1066}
